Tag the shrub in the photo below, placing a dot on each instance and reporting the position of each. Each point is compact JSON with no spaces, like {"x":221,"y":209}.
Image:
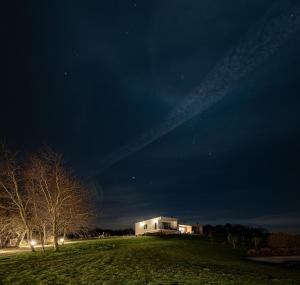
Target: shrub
{"x":282,"y":240}
{"x":282,"y":251}
{"x":265,"y":251}
{"x":296,"y":251}
{"x":252,"y":252}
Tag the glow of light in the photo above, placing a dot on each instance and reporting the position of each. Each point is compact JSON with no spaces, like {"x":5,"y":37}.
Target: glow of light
{"x":33,"y":242}
{"x":62,"y":240}
{"x":142,"y":224}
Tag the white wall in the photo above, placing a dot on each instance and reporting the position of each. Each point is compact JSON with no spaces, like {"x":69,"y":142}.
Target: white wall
{"x":139,"y":227}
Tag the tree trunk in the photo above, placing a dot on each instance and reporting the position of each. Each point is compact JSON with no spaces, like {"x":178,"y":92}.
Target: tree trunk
{"x":44,"y":234}
{"x":55,"y":242}
{"x":29,"y":239}
{"x":6,"y":241}
{"x":55,"y":237}
{"x":64,"y":237}
{"x":233,"y":242}
{"x":42,"y":240}
{"x":20,"y":238}
{"x":255,"y":243}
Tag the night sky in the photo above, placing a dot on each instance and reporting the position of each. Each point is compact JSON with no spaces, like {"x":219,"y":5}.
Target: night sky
{"x":88,"y":77}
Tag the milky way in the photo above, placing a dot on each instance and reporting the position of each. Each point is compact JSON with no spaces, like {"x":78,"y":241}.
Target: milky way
{"x":277,"y":26}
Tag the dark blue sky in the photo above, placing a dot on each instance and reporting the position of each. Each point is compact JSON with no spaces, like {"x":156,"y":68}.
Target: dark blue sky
{"x":87,"y":77}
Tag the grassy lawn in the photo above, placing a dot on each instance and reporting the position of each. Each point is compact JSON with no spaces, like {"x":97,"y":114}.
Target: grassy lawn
{"x":143,"y":260}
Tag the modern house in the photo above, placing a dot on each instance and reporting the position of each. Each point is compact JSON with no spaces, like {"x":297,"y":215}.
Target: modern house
{"x":165,"y":225}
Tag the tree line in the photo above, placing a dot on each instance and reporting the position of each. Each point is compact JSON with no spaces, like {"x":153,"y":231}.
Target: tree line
{"x":40,"y":199}
{"x":236,"y":235}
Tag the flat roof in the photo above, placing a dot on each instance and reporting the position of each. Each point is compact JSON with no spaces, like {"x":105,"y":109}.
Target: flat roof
{"x":158,"y":218}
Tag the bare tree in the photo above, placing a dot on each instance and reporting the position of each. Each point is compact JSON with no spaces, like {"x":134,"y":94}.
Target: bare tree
{"x":11,"y":228}
{"x":38,"y":207}
{"x":13,"y":198}
{"x":79,"y":212}
{"x":59,"y":194}
{"x":40,"y":197}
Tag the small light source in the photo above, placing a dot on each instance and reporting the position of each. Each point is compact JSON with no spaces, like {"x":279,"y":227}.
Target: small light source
{"x":33,"y":242}
{"x":61,"y":240}
{"x":142,"y":224}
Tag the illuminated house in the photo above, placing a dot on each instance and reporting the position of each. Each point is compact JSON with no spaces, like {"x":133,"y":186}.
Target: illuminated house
{"x":165,"y":225}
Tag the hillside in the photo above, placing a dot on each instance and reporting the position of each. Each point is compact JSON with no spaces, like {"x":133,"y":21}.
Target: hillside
{"x":142,"y":260}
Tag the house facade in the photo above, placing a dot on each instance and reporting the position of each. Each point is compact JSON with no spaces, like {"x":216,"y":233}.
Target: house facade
{"x":165,"y":225}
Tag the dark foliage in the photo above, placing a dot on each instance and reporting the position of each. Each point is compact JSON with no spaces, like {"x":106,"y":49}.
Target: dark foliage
{"x":99,"y":233}
{"x":242,"y":235}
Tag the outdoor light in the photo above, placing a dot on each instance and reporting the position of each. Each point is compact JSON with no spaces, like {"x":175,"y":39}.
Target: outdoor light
{"x":62,"y":240}
{"x":142,"y":224}
{"x":33,"y":242}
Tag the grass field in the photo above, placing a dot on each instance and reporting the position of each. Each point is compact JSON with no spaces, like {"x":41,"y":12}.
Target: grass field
{"x":143,"y":260}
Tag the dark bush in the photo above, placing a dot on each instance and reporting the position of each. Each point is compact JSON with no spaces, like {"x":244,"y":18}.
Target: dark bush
{"x":282,"y":251}
{"x":280,"y":240}
{"x":296,"y":251}
{"x":265,"y":251}
{"x":252,"y":253}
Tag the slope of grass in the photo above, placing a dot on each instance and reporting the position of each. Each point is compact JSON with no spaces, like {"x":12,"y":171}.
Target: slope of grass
{"x":143,"y":260}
